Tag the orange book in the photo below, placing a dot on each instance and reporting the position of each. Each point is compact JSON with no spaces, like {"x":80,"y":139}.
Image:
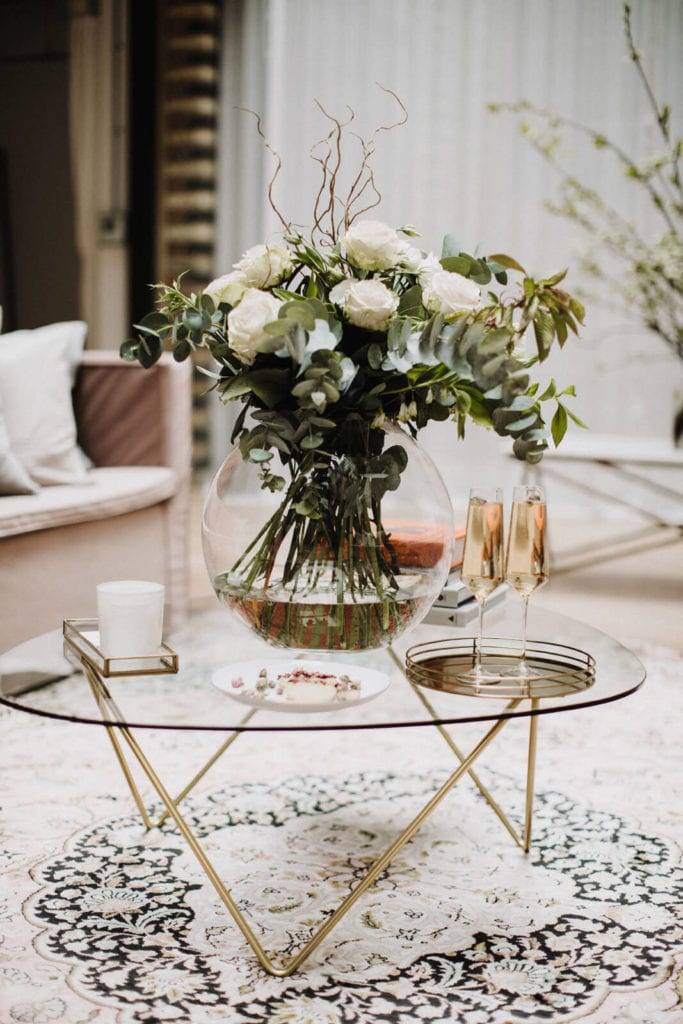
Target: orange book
{"x":418,"y":545}
{"x":415,"y":545}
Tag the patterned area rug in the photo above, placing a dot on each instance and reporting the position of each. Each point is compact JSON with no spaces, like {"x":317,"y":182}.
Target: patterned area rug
{"x":99,"y":923}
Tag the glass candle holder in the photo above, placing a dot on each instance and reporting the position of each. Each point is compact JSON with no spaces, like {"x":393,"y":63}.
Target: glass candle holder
{"x":131,"y":617}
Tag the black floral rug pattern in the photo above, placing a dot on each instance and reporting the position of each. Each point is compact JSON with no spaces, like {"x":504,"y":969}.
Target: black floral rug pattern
{"x":462,"y":927}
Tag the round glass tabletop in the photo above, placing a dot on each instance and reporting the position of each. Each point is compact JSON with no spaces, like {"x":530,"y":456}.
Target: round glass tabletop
{"x":188,"y":700}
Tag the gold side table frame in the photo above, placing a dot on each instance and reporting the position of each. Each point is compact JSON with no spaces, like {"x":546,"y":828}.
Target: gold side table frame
{"x":96,"y":674}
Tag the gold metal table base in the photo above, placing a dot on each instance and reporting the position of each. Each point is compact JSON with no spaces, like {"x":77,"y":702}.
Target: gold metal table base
{"x":281,"y":969}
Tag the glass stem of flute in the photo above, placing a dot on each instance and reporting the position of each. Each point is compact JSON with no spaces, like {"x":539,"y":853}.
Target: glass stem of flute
{"x":481,"y":601}
{"x":525,"y":612}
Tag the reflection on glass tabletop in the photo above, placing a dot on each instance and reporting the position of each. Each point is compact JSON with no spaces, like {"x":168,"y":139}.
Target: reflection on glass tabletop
{"x":188,"y":700}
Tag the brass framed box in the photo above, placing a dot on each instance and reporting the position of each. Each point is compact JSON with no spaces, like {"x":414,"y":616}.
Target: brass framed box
{"x":82,"y":638}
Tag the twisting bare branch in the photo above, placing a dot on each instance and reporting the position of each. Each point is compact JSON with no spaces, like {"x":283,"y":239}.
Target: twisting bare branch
{"x":278,"y":167}
{"x":396,"y":124}
{"x":371,"y":206}
{"x":331,"y":213}
{"x":337,"y":135}
{"x":368,"y":150}
{"x":324,"y":164}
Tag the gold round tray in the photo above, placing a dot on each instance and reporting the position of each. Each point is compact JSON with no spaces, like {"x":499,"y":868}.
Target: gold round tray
{"x":444,"y":665}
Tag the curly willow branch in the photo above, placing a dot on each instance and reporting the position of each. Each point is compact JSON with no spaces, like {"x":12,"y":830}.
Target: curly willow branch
{"x":331,"y":173}
{"x":278,"y":167}
{"x":330,"y":212}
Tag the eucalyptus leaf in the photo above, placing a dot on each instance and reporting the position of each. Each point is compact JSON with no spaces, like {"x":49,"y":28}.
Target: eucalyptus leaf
{"x":522,"y":424}
{"x":181,"y":351}
{"x":298,"y":313}
{"x":153,"y":321}
{"x":450,"y":246}
{"x":270,"y":386}
{"x":311,"y":441}
{"x":375,"y":356}
{"x":481,"y":276}
{"x":278,"y":328}
{"x":129,"y":349}
{"x":235,"y":388}
{"x":472,"y":337}
{"x":260,"y":455}
{"x":457,"y":264}
{"x":397,"y":454}
{"x":194,"y":321}
{"x":495,"y":340}
{"x":149,"y":352}
{"x":410,"y":303}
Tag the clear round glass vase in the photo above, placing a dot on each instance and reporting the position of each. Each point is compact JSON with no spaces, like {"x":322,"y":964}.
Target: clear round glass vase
{"x":354,"y":574}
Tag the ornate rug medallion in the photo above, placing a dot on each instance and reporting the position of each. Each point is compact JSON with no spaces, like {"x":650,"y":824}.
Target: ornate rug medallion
{"x":463,"y":927}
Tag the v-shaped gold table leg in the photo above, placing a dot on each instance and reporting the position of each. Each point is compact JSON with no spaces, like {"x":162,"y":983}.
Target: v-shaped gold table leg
{"x":283,"y":969}
{"x":111,"y":712}
{"x":523,"y":841}
{"x":289,"y":966}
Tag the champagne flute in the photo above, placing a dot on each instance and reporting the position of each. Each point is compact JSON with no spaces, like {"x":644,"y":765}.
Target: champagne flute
{"x":527,"y":567}
{"x":482,"y":566}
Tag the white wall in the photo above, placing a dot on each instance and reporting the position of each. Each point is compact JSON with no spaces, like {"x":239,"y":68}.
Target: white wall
{"x":455,"y":167}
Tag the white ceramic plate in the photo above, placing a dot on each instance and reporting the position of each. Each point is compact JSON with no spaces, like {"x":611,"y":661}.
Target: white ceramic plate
{"x":372,"y":684}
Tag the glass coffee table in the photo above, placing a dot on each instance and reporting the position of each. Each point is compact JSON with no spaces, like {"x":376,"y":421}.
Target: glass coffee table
{"x":179,"y":695}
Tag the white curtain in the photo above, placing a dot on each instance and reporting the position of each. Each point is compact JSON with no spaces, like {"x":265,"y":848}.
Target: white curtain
{"x":455,"y":167}
{"x":97,"y":109}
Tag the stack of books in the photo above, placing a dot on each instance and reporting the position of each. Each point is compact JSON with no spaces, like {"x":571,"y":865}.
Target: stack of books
{"x":415,"y":545}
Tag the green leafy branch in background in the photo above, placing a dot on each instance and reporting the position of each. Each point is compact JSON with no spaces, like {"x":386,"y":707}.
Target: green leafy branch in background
{"x":651,"y":274}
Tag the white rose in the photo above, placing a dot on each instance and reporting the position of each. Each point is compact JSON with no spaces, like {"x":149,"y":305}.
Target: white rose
{"x":372,"y":245}
{"x":246,"y":321}
{"x":417,"y":262}
{"x":264,"y":266}
{"x":229,"y":288}
{"x":429,"y":265}
{"x":369,"y":304}
{"x":411,"y":258}
{"x":338,"y":293}
{"x":449,"y":293}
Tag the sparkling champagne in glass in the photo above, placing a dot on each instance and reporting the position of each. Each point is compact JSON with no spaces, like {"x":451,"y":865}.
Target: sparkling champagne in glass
{"x":482,"y":566}
{"x":527,"y":567}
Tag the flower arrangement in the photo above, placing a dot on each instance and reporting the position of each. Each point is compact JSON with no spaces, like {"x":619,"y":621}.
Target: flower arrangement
{"x":325,"y":340}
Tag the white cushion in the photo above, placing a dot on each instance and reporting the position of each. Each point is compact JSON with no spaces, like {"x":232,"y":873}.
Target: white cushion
{"x":36,"y":377}
{"x":110,"y":491}
{"x":14,"y":478}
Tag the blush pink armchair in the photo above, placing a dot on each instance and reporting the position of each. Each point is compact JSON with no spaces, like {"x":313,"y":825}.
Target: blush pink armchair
{"x":129,"y":520}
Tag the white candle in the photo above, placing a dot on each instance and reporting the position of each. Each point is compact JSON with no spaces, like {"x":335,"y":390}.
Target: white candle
{"x":131,"y":617}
